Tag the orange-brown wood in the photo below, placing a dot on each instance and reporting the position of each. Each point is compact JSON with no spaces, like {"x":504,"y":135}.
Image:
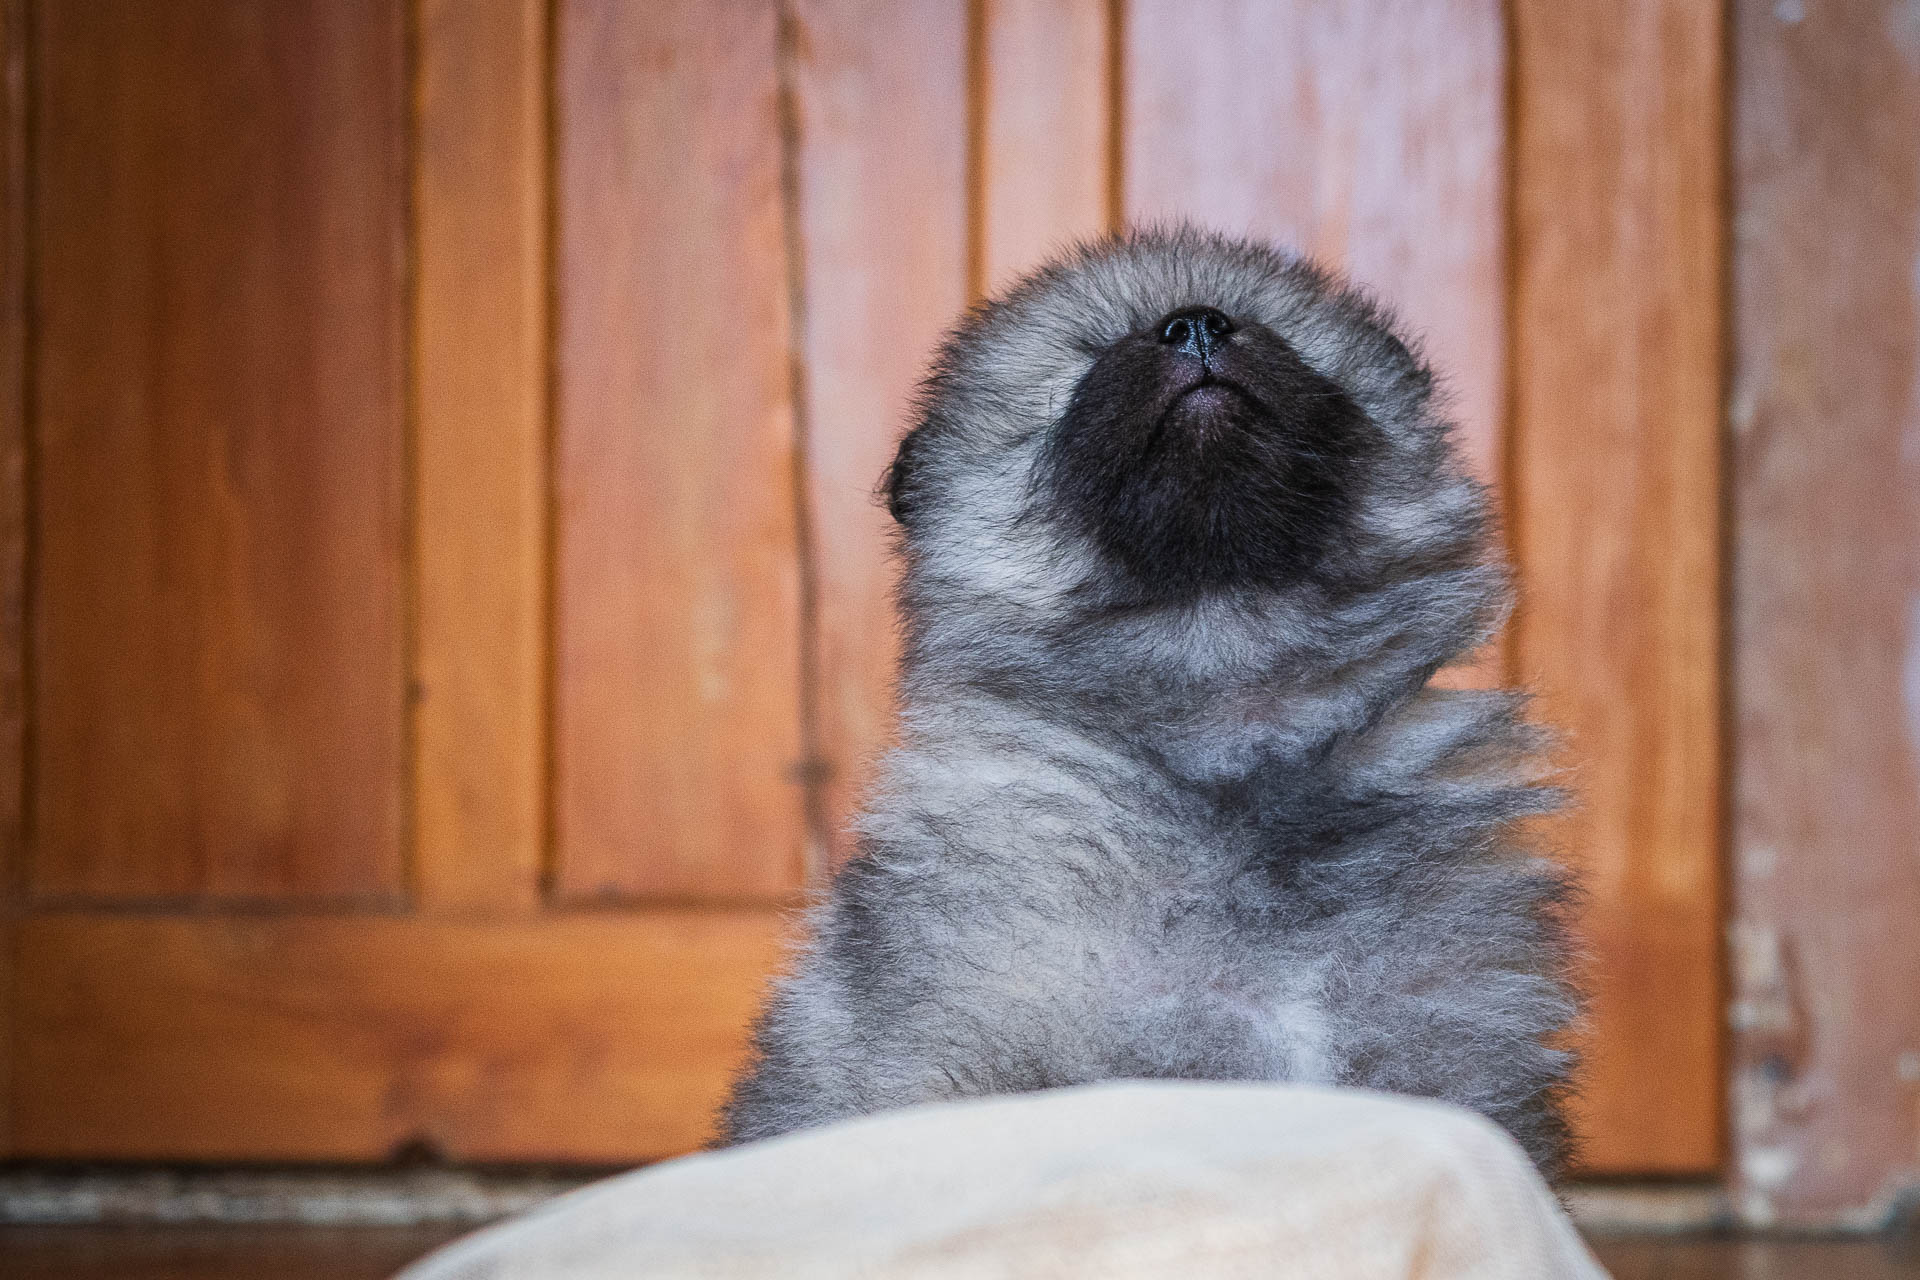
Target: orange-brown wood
{"x":1826,"y":620}
{"x":480,"y":511}
{"x":591,"y":1037}
{"x":13,"y":439}
{"x":1616,"y":514}
{"x":219,"y":212}
{"x":879,"y":116}
{"x":678,"y":614}
{"x":13,"y":494}
{"x":764,"y":214}
{"x":1044,"y":131}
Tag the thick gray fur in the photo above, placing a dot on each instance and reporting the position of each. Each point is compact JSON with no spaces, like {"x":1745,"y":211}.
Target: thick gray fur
{"x":1238,"y":836}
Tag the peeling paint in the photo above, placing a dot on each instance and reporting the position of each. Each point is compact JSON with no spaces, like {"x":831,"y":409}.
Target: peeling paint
{"x":1763,"y":998}
{"x":1752,"y":1098}
{"x":1758,"y":861}
{"x":1824,"y":1054}
{"x":1768,"y":1167}
{"x":1910,"y":668}
{"x":1903,"y":33}
{"x":1767,"y":1086}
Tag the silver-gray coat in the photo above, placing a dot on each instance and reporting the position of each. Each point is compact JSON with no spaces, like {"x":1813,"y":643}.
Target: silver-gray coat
{"x":1173,"y":794}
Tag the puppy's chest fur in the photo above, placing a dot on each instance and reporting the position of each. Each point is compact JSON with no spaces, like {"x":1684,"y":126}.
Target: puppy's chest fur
{"x":1074,"y":915}
{"x":1134,"y":929}
{"x":1031,"y":911}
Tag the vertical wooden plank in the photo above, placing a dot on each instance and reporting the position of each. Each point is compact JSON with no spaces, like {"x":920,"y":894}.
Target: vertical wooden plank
{"x":13,"y":524}
{"x":1044,"y":137}
{"x":1826,"y":618}
{"x":1370,"y":135}
{"x":480,"y":746}
{"x":677,"y":730}
{"x":880,"y":113}
{"x":219,"y":204}
{"x":1616,"y":514}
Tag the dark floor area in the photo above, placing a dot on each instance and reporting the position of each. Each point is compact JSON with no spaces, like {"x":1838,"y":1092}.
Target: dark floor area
{"x":370,"y":1253}
{"x":212,"y":1253}
{"x":1668,"y":1258}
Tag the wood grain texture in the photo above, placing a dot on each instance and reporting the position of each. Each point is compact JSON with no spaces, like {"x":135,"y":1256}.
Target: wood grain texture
{"x":593,"y":1037}
{"x":13,"y":508}
{"x":678,"y":617}
{"x":480,"y":342}
{"x":1826,"y":619}
{"x":881,"y":191}
{"x":1369,"y":135}
{"x":1045,"y":131}
{"x":219,"y":207}
{"x":1616,"y":511}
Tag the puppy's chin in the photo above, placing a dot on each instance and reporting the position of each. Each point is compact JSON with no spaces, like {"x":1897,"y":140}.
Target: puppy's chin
{"x":1192,"y":476}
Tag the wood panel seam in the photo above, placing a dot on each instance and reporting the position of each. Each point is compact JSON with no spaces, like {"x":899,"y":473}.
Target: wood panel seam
{"x":811,"y":770}
{"x":15,"y":877}
{"x":411,"y":688}
{"x":16,"y":275}
{"x":1508,"y":457}
{"x":547,"y":874}
{"x":975,"y":142}
{"x":1116,"y":106}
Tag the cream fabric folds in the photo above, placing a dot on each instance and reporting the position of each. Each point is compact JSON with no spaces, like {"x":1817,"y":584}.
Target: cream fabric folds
{"x":1175,"y":1181}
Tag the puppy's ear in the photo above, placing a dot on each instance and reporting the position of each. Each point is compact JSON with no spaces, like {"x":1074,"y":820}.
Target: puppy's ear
{"x":900,"y":483}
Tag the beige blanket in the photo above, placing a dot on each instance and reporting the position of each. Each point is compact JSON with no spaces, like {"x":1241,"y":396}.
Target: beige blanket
{"x":1185,"y":1180}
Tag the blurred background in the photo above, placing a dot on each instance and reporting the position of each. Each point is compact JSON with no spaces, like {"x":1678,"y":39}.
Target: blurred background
{"x":444,"y":618}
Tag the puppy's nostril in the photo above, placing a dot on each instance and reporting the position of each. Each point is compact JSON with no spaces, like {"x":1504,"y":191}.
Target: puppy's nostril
{"x":1195,"y":330}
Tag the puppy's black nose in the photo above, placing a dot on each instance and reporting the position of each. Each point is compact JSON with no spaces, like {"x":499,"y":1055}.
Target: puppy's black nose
{"x":1195,"y":330}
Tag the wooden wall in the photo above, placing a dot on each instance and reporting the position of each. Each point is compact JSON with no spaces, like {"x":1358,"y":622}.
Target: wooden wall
{"x":439,"y":469}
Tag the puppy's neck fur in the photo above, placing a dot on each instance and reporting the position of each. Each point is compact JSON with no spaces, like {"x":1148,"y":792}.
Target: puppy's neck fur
{"x":1216,"y":689}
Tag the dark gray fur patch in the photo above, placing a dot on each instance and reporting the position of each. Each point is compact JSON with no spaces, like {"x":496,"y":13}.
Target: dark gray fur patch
{"x":1229,"y":832}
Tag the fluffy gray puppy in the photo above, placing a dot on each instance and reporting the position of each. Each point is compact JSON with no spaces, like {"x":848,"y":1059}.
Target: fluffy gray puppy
{"x":1184,"y":539}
